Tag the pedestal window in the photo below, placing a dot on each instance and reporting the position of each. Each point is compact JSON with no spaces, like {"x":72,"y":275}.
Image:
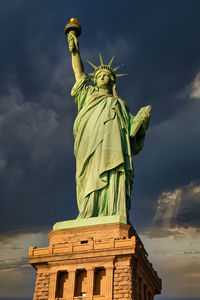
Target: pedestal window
{"x":99,"y":282}
{"x":62,"y":285}
{"x":80,"y":283}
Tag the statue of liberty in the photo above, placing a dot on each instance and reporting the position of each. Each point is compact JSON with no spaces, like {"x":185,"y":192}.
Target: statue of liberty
{"x":106,"y":136}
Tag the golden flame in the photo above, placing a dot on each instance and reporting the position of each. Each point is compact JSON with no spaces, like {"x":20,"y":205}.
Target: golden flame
{"x":74,"y":20}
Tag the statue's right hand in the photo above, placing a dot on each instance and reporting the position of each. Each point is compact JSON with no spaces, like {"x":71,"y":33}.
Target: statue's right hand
{"x":72,"y":42}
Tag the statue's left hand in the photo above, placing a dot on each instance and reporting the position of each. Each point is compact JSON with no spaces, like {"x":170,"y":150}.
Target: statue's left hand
{"x":145,"y":115}
{"x":145,"y":123}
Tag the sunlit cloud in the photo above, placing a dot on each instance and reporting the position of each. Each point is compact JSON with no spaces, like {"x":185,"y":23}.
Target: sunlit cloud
{"x":15,"y":248}
{"x":181,"y":241}
{"x":176,"y":208}
{"x":167,"y":207}
{"x":15,"y":270}
{"x":173,"y":241}
{"x":195,"y":87}
{"x":176,"y":258}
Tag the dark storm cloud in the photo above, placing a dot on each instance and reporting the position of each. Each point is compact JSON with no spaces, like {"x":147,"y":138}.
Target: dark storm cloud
{"x":35,"y":160}
{"x":189,"y":213}
{"x":170,"y":159}
{"x":159,"y":47}
{"x":158,"y":43}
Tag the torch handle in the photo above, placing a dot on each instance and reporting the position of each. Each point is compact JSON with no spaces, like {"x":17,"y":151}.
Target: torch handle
{"x":72,"y":41}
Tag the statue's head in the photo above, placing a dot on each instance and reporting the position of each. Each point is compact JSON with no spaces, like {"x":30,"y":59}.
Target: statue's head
{"x":104,"y":76}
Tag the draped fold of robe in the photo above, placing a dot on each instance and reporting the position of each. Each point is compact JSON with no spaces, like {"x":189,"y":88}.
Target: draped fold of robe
{"x":106,"y":137}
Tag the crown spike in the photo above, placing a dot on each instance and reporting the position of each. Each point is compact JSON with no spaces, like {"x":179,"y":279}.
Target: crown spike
{"x":101,"y":60}
{"x":110,"y":62}
{"x":120,"y":75}
{"x":91,"y":64}
{"x":105,"y":67}
{"x":116,"y":68}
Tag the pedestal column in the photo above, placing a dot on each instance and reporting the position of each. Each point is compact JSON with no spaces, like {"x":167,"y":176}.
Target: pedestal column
{"x":52,"y":285}
{"x":90,"y":283}
{"x":109,"y":282}
{"x":71,"y":285}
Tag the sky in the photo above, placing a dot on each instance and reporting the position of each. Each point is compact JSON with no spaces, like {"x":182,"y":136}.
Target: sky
{"x":158,"y":44}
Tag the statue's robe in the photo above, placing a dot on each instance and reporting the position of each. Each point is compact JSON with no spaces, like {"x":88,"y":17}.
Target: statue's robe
{"x":106,"y":137}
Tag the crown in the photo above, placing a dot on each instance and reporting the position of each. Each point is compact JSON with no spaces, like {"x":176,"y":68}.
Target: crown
{"x":105,"y":67}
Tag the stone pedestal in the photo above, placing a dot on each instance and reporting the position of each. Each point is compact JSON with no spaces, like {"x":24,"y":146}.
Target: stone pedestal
{"x":96,"y":262}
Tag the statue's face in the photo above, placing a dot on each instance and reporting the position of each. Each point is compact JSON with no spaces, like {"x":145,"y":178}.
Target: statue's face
{"x":103,"y":79}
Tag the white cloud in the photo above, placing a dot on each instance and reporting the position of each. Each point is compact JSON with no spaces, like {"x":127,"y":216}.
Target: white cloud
{"x":196,"y":189}
{"x":175,"y":207}
{"x":195,"y":87}
{"x":167,"y":206}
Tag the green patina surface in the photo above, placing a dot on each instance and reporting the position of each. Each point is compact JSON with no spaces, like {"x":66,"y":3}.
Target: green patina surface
{"x":89,"y":222}
{"x":106,"y":135}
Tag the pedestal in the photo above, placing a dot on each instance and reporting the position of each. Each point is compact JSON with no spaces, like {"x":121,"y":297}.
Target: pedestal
{"x":96,"y":262}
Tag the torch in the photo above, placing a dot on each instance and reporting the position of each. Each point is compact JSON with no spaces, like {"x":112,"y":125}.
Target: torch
{"x":74,"y":26}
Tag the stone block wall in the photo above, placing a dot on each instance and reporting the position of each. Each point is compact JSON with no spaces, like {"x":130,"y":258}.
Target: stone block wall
{"x":122,"y":278}
{"x":42,"y":287}
{"x":122,"y":288}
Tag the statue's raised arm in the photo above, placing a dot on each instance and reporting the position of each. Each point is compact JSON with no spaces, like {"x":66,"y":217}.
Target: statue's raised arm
{"x":73,"y":30}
